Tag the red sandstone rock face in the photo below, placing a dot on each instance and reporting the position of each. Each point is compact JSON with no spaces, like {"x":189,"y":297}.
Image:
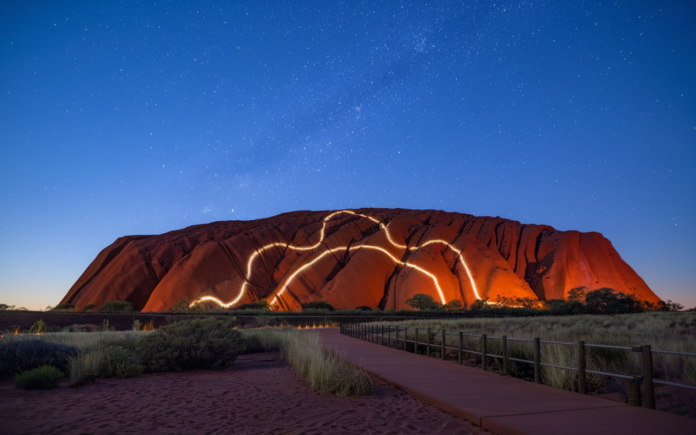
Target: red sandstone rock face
{"x":374,"y":257}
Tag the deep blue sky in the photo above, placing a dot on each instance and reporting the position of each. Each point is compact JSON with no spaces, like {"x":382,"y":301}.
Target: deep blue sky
{"x":145,"y":117}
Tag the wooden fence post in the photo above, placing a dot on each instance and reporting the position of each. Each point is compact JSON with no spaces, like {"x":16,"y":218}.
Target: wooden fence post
{"x":648,"y":386}
{"x":460,"y":347}
{"x":443,"y":345}
{"x":483,"y":351}
{"x":415,"y":345}
{"x":405,"y":337}
{"x":537,"y":361}
{"x":381,"y":340}
{"x":582,"y":367}
{"x":633,"y":391}
{"x":389,"y":336}
{"x":427,"y":343}
{"x":505,"y":355}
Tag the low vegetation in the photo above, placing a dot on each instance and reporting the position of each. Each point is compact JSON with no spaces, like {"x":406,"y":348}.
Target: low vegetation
{"x":204,"y":343}
{"x":44,"y":377}
{"x":191,"y":345}
{"x":324,"y":369}
{"x":116,"y":307}
{"x":663,"y":331}
{"x":64,"y":308}
{"x":263,"y":339}
{"x":17,"y":356}
{"x":320,"y":305}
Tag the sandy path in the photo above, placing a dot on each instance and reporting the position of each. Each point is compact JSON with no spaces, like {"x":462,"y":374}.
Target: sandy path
{"x":259,"y":394}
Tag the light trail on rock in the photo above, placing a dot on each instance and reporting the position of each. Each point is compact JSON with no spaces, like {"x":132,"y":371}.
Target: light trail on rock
{"x":322,"y":234}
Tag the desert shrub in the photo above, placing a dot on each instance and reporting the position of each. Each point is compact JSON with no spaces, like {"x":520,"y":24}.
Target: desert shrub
{"x":22,"y":355}
{"x":667,"y":305}
{"x":122,"y":362}
{"x":190,"y":345}
{"x":608,"y":301}
{"x":182,"y":307}
{"x":453,"y":305}
{"x":116,"y":307}
{"x":88,"y":308}
{"x":324,"y":369}
{"x":363,"y":308}
{"x":560,"y":307}
{"x":111,"y":358}
{"x":422,"y":301}
{"x":43,"y":377}
{"x":320,"y":305}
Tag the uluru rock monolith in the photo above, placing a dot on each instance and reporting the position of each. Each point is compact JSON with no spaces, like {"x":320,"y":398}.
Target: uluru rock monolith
{"x":349,"y":258}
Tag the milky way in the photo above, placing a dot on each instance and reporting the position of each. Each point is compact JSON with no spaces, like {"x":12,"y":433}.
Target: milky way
{"x":143,"y":117}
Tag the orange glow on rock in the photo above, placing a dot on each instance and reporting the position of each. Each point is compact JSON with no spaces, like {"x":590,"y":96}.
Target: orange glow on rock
{"x":322,"y":233}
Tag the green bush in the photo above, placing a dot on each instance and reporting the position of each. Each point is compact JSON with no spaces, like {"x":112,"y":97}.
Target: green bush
{"x":190,"y":345}
{"x":364,"y":308}
{"x":182,"y":307}
{"x":116,"y":307}
{"x":258,"y":305}
{"x":43,"y":377}
{"x":608,"y":301}
{"x":88,"y":308}
{"x":422,"y":301}
{"x":320,"y":305}
{"x":20,"y":356}
{"x":110,"y":359}
{"x":122,"y":362}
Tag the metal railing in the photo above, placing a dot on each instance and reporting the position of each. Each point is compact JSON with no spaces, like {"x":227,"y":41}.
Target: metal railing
{"x":379,"y":334}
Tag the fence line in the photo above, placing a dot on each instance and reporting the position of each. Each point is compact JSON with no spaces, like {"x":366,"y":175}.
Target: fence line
{"x":376,"y":334}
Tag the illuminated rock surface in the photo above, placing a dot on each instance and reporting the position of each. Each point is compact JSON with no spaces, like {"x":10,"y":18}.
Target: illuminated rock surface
{"x":374,"y":257}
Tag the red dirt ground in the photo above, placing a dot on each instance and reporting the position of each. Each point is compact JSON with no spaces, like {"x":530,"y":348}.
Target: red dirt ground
{"x":258,"y":394}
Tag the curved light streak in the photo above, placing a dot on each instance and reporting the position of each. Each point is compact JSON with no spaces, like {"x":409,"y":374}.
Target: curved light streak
{"x":322,"y":233}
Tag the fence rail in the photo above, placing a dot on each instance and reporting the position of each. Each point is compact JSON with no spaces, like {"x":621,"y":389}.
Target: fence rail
{"x":381,"y":335}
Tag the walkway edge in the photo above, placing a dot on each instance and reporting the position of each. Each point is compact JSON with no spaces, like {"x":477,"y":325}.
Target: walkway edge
{"x":549,"y":414}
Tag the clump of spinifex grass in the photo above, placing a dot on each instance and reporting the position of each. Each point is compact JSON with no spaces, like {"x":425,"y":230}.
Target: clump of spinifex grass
{"x":672,"y":331}
{"x":324,"y":369}
{"x":263,"y":339}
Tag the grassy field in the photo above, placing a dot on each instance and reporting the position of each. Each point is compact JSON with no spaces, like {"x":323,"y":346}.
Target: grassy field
{"x":675,"y":331}
{"x":115,"y":354}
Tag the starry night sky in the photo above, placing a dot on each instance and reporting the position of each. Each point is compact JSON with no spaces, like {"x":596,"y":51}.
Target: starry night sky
{"x":146,"y":117}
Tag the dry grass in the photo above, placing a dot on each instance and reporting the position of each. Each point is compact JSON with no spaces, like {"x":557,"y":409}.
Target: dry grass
{"x":87,"y":366}
{"x":663,"y":331}
{"x":81,"y":340}
{"x":324,"y":369}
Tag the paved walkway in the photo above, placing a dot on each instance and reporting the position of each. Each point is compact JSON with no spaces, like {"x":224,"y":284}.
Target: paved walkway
{"x":502,"y":404}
